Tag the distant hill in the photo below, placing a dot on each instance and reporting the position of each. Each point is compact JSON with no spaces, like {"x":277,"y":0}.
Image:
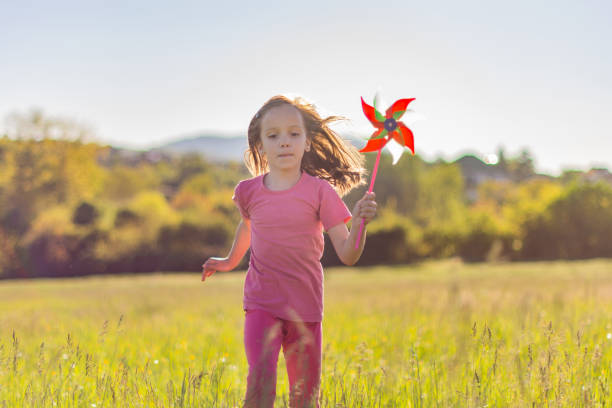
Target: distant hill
{"x":218,"y":148}
{"x":215,"y":148}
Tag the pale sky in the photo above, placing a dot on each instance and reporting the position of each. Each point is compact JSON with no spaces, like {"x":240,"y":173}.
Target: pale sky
{"x":522,"y":74}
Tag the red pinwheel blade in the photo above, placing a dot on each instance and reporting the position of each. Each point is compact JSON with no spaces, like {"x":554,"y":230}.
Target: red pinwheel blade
{"x":397,"y":135}
{"x":374,"y":145}
{"x":407,"y":135}
{"x":370,"y":113}
{"x":398,"y":108}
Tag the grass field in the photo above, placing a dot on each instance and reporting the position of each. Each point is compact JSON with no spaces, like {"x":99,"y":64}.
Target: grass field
{"x":438,"y":334}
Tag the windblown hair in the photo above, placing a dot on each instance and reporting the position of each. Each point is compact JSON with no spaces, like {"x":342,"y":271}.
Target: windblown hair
{"x":330,"y":157}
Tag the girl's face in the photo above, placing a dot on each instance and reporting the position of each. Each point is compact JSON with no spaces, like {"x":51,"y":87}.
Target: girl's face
{"x":283,"y":138}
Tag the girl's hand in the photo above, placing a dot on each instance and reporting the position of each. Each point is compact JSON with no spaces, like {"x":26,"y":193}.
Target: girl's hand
{"x":365,"y":209}
{"x":213,"y":265}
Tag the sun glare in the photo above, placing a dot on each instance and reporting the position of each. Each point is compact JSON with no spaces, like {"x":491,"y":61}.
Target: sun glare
{"x":491,"y":158}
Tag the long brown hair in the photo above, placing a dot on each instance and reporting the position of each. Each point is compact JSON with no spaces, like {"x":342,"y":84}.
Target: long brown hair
{"x":330,"y":157}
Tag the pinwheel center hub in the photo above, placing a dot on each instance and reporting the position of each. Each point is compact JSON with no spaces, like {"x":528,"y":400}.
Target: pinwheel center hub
{"x":390,"y":125}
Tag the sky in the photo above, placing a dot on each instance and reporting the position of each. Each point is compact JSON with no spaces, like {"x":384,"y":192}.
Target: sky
{"x":533,"y":75}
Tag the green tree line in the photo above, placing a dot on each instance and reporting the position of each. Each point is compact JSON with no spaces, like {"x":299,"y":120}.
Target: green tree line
{"x":70,"y":207}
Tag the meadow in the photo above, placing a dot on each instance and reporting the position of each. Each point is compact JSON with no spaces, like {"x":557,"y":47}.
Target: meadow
{"x":434,"y":334}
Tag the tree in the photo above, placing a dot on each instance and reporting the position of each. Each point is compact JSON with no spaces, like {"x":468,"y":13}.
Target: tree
{"x":577,"y":225}
{"x":502,"y":162}
{"x":39,"y":174}
{"x":36,"y":125}
{"x":522,"y":167}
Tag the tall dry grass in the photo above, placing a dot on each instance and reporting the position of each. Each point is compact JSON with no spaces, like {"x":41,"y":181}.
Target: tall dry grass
{"x":438,"y":334}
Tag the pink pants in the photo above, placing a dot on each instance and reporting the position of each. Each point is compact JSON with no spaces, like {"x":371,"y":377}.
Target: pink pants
{"x":301,"y":341}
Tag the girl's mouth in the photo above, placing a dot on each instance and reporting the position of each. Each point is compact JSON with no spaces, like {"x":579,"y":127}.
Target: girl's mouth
{"x":285,"y":155}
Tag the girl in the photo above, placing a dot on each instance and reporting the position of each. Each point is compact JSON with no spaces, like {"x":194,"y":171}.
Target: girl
{"x":295,"y":159}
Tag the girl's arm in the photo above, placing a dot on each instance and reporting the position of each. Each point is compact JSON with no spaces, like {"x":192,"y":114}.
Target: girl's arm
{"x":242,"y":242}
{"x":343,"y":240}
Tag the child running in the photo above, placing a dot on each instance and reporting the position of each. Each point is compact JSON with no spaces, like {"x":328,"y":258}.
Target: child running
{"x":300,"y":168}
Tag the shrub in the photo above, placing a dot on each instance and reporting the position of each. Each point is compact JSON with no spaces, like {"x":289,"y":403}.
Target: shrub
{"x":85,"y":214}
{"x":577,"y":225}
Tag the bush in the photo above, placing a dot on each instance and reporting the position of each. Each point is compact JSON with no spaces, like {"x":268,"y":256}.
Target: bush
{"x":391,"y":238}
{"x":64,"y":254}
{"x":186,"y":246}
{"x":484,"y":239}
{"x":85,"y":214}
{"x":575,"y":226}
{"x":125,"y":217}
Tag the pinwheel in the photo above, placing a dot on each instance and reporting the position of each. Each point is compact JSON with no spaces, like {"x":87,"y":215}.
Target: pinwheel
{"x":389,"y":133}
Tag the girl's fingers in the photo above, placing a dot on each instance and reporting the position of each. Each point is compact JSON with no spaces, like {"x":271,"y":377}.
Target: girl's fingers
{"x":366,"y":207}
{"x":207,"y":274}
{"x":368,"y":211}
{"x":209,"y":268}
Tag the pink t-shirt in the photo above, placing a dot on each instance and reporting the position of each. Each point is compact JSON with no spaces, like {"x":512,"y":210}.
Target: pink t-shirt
{"x":285,"y":276}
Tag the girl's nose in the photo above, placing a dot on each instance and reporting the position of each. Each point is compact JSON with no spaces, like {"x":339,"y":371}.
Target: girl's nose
{"x":284,"y":140}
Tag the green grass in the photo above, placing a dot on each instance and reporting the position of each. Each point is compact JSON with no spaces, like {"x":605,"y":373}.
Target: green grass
{"x":436,"y":334}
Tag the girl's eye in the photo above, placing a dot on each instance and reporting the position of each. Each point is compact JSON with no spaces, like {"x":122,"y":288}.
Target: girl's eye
{"x":271,"y":136}
{"x":295,"y":134}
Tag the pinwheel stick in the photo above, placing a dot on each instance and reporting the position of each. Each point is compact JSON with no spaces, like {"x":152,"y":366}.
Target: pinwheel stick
{"x":369,"y":191}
